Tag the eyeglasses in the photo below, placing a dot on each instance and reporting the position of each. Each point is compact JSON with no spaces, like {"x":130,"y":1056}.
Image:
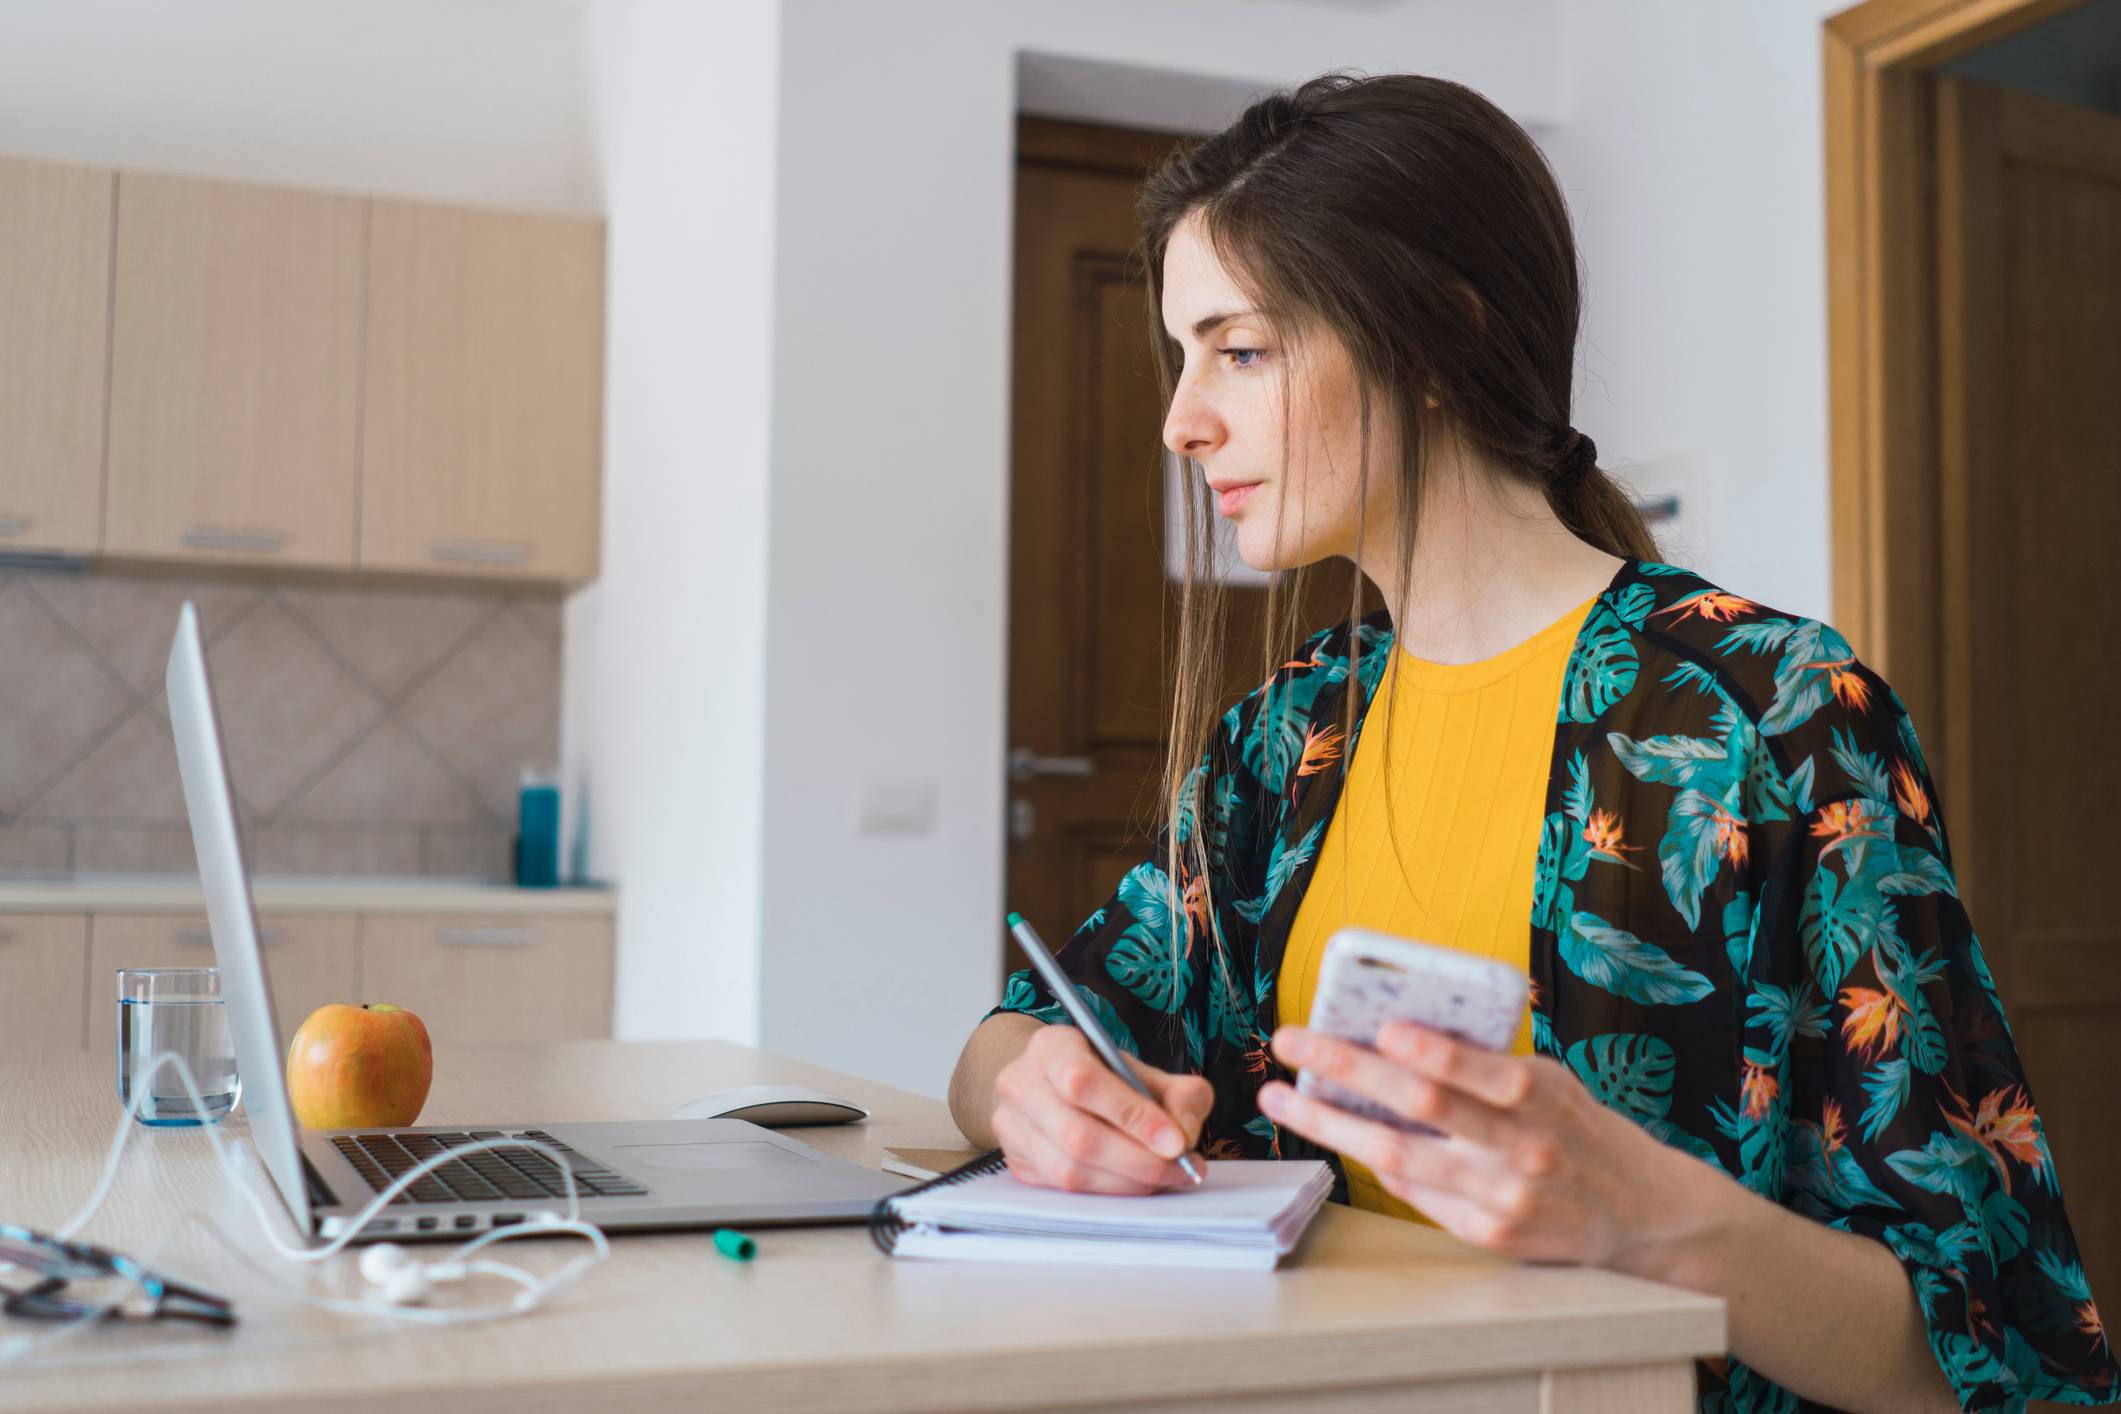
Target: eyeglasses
{"x":47,"y":1278}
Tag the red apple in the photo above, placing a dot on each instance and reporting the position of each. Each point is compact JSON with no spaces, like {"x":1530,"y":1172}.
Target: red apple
{"x":359,"y":1067}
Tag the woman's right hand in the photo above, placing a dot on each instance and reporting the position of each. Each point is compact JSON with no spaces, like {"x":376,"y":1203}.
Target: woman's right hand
{"x":1064,"y":1120}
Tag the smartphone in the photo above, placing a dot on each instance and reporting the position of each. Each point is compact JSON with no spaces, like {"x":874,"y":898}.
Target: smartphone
{"x":1368,"y":979}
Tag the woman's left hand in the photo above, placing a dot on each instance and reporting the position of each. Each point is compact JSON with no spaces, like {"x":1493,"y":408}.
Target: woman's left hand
{"x":1529,"y":1165}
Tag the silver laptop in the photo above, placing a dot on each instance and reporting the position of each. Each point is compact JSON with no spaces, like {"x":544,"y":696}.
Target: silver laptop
{"x":631,"y":1174}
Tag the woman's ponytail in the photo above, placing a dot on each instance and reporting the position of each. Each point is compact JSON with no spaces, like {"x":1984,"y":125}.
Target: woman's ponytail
{"x":1591,"y":504}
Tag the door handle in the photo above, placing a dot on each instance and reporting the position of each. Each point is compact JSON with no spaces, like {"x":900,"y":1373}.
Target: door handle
{"x":1026,"y":764}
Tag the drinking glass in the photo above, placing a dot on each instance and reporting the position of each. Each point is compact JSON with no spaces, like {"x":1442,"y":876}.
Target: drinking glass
{"x":174,"y":1009}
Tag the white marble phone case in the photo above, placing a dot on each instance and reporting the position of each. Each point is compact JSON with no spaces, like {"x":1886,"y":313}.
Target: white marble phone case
{"x":1368,"y":979}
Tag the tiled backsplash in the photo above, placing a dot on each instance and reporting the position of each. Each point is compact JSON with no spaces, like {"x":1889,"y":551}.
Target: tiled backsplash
{"x":369,"y":730}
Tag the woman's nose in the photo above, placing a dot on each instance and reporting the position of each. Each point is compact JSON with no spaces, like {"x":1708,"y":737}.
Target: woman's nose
{"x":1191,"y":430}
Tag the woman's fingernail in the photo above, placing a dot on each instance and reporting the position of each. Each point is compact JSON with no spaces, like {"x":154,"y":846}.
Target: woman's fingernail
{"x":1272,"y":1102}
{"x":1169,"y":1143}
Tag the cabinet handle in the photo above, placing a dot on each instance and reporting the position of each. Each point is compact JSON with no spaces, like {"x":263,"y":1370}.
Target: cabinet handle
{"x":479,"y":552}
{"x":201,"y":937}
{"x":13,"y":525}
{"x":210,"y":537}
{"x":505,"y":936}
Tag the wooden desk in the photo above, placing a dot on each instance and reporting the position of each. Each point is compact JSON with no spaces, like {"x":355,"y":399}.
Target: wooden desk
{"x":1369,"y":1313}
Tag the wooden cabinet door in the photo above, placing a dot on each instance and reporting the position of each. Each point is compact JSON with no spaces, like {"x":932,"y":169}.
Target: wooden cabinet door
{"x":492,"y":978}
{"x":55,"y":234}
{"x":42,"y":963}
{"x":235,"y":366}
{"x":482,"y":417}
{"x":309,"y":960}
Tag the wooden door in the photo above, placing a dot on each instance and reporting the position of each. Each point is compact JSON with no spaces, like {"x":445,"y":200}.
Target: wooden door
{"x":1088,"y":694}
{"x":55,"y":234}
{"x":235,"y":365}
{"x":482,"y":429}
{"x":2029,"y":324}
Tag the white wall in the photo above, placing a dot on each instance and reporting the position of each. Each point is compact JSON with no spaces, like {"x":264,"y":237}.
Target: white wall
{"x":666,"y":652}
{"x":887,"y":571}
{"x":477,"y":101}
{"x":1692,"y":161}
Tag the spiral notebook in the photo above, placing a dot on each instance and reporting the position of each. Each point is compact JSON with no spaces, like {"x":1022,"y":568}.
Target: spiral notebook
{"x":1249,"y":1213}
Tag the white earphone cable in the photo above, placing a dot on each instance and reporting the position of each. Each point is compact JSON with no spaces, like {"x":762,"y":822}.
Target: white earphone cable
{"x":454,"y":1267}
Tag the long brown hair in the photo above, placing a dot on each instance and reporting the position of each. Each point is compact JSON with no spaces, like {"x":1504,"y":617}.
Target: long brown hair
{"x":1413,"y":221}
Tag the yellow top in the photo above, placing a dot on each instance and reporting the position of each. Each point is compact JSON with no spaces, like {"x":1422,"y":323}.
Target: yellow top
{"x":1470,"y":749}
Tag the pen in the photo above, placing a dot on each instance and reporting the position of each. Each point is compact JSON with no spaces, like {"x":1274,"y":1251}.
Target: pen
{"x":1086,"y":1021}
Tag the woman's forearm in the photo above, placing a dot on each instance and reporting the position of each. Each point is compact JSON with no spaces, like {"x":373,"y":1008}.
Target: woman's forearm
{"x":1827,"y":1314}
{"x":994,"y":1043}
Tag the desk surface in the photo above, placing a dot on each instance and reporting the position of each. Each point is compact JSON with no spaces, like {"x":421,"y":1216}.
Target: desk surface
{"x":819,"y":1319}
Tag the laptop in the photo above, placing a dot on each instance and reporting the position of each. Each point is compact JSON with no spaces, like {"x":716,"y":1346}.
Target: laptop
{"x":675,"y":1173}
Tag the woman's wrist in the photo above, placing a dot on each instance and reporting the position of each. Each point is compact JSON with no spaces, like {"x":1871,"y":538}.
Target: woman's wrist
{"x":1693,"y":1219}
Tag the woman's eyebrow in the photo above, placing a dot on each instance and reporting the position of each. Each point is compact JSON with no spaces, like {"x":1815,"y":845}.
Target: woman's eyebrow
{"x":1202,"y":326}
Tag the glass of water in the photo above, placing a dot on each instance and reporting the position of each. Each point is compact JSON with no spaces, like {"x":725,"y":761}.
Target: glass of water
{"x":174,"y":1009}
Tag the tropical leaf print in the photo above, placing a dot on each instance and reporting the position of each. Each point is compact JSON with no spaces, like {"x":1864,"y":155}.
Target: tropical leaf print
{"x":1703,"y":833}
{"x":1621,"y":963}
{"x":1885,"y":1085}
{"x":1817,"y":666}
{"x":1946,"y":1164}
{"x":1740,"y":922}
{"x":1626,"y":1072}
{"x":1284,"y":862}
{"x":1023,"y":996}
{"x":1142,"y":963}
{"x":1229,"y":1014}
{"x":1603,"y":665}
{"x":1143,"y":893}
{"x":1786,"y":1013}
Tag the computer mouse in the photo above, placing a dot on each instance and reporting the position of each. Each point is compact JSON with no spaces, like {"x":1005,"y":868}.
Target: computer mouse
{"x":773,"y":1106}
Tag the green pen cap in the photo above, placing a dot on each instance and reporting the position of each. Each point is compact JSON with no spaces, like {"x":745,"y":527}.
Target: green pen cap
{"x":731,"y":1243}
{"x":1015,"y":918}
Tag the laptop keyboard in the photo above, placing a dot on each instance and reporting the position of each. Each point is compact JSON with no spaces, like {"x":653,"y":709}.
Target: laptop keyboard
{"x":486,"y":1176}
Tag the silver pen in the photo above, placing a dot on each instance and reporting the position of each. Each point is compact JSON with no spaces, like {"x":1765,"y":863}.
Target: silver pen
{"x":1086,"y":1021}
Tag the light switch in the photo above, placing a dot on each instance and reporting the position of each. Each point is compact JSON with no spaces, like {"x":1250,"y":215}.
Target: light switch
{"x":896,"y":807}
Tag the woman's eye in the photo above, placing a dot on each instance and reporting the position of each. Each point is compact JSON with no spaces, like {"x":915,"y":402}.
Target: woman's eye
{"x":1232,"y":353}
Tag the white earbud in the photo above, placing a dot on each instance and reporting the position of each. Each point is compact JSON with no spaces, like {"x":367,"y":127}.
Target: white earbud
{"x":396,"y":1274}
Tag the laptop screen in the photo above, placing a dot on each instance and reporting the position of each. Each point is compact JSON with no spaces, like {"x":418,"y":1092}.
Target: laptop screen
{"x":245,"y":990}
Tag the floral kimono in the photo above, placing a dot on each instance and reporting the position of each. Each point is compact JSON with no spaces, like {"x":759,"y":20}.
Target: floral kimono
{"x":1745,"y":936}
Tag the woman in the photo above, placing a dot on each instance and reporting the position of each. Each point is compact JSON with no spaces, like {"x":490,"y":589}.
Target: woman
{"x":1765,"y":1057}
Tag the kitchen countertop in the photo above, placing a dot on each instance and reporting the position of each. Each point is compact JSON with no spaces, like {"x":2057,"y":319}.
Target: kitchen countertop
{"x":174,"y":893}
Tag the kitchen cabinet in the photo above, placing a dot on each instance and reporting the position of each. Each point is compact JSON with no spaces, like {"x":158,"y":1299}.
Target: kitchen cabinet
{"x":235,"y":373}
{"x":483,"y":378}
{"x":310,"y":959}
{"x":43,"y":958}
{"x":55,"y":242}
{"x":493,"y":978}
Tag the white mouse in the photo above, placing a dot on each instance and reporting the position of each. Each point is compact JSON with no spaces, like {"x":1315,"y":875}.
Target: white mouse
{"x":773,"y":1105}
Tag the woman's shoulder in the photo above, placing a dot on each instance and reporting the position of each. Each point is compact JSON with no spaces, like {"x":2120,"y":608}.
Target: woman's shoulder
{"x":1826,"y":716}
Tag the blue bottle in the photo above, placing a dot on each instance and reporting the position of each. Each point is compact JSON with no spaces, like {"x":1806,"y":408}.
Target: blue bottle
{"x":538,"y":833}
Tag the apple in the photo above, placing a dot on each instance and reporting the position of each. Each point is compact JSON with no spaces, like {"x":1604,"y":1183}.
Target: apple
{"x":359,"y":1067}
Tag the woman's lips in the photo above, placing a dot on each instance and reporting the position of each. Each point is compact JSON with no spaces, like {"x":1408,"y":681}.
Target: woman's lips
{"x":1229,"y":502}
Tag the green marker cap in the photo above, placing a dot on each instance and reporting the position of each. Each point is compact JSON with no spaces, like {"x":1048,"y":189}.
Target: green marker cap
{"x":1015,"y":918}
{"x":731,"y":1243}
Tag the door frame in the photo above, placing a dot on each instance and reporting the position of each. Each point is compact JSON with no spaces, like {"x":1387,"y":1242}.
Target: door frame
{"x":1891,"y":596}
